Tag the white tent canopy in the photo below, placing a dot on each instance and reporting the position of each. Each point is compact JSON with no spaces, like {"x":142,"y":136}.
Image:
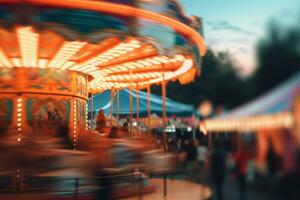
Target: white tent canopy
{"x":272,"y":110}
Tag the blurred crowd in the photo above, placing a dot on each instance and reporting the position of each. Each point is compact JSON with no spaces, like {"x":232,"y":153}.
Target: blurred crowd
{"x":108,"y":165}
{"x":217,"y":161}
{"x":109,"y":162}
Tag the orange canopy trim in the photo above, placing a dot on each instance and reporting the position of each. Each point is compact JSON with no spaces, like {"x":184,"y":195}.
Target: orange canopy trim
{"x":123,"y":10}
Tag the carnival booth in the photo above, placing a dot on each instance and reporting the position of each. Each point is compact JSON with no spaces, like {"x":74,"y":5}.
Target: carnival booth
{"x":53,"y":54}
{"x":272,"y":110}
{"x":273,"y":117}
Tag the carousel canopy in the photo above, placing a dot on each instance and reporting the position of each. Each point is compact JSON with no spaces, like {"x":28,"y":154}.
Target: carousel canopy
{"x":268,"y":111}
{"x":102,"y":101}
{"x":119,"y":44}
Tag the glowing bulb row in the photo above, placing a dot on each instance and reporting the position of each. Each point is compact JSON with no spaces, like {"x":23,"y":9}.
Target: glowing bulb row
{"x":155,"y":77}
{"x":87,"y":115}
{"x":19,"y":118}
{"x":68,"y":50}
{"x":117,"y":51}
{"x":28,"y":41}
{"x":142,"y":64}
{"x":281,"y":120}
{"x":139,"y":76}
{"x":74,"y":123}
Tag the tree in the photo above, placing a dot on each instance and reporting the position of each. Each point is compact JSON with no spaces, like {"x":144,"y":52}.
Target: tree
{"x":278,"y":57}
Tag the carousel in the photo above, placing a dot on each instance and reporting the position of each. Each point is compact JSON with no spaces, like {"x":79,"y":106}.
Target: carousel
{"x":54,"y":55}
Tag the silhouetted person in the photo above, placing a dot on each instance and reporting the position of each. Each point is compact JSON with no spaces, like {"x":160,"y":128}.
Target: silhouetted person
{"x":218,"y":168}
{"x":191,"y":159}
{"x":114,"y":133}
{"x":289,"y":184}
{"x":125,"y":129}
{"x":201,"y":158}
{"x":104,"y":183}
{"x":3,"y":131}
{"x":273,"y":166}
{"x":172,"y":145}
{"x":104,"y":180}
{"x":242,"y":158}
{"x":63,"y":133}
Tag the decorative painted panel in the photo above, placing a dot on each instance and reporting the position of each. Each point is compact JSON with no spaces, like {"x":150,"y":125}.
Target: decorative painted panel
{"x":6,"y":112}
{"x":81,"y":85}
{"x":7,"y":79}
{"x":81,"y":115}
{"x":50,"y":80}
{"x":46,"y":114}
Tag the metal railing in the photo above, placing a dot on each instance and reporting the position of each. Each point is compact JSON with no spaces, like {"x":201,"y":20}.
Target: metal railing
{"x":76,"y":186}
{"x":73,"y":186}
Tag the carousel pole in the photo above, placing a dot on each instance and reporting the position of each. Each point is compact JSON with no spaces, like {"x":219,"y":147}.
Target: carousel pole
{"x":164,"y":92}
{"x":137,"y":108}
{"x":112,"y":94}
{"x":149,"y":108}
{"x":130,"y":114}
{"x":118,"y":108}
{"x":92,"y":109}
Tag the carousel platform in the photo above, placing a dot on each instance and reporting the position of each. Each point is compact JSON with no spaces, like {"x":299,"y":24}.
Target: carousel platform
{"x":176,"y":189}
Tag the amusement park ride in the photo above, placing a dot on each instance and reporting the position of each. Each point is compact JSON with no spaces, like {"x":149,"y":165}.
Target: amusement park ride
{"x":54,"y":54}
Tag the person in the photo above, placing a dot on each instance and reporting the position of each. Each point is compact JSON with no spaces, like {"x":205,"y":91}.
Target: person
{"x":125,"y":129}
{"x":114,"y":133}
{"x":273,"y":166}
{"x":289,"y":183}
{"x":56,"y":115}
{"x":191,"y":156}
{"x":171,"y":145}
{"x":218,"y":168}
{"x":201,"y":157}
{"x":63,"y":134}
{"x":101,"y":122}
{"x":179,"y":145}
{"x":242,"y":158}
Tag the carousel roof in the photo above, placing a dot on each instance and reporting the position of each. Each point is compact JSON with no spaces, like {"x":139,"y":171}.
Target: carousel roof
{"x":112,"y":42}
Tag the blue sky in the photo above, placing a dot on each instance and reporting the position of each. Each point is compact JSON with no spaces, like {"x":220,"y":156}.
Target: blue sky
{"x":237,"y":25}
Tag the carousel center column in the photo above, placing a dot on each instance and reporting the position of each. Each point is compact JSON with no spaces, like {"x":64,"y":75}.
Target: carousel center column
{"x":39,"y":100}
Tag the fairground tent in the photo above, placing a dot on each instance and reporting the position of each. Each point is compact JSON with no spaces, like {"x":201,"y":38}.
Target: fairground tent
{"x":102,"y":101}
{"x":270,"y":110}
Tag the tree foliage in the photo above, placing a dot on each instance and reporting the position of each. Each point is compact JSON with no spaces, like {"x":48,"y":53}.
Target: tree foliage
{"x":278,"y":57}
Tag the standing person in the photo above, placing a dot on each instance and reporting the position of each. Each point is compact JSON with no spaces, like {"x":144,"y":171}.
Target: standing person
{"x":191,"y":158}
{"x":125,"y":129}
{"x":107,"y":161}
{"x":242,"y":158}
{"x":218,"y":168}
{"x":101,"y":122}
{"x":201,"y":157}
{"x":63,"y":134}
{"x":289,"y":183}
{"x":273,"y":166}
{"x":179,"y":145}
{"x":172,"y":145}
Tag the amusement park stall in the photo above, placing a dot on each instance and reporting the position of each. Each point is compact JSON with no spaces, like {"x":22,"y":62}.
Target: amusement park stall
{"x":274,"y":117}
